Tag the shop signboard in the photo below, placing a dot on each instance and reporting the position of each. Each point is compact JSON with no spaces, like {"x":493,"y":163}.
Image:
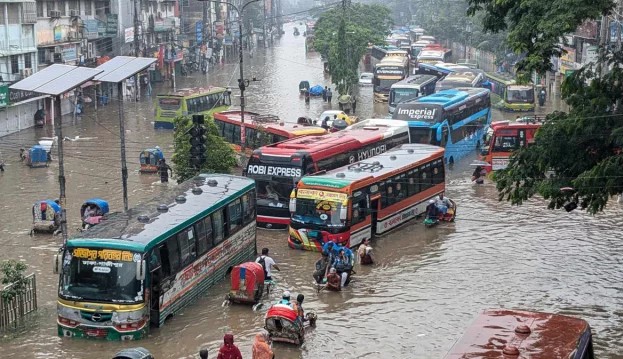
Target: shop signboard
{"x":112,"y":23}
{"x":16,"y":96}
{"x":199,"y":31}
{"x":4,"y":96}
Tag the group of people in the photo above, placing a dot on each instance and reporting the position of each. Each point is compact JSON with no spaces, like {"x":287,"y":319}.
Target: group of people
{"x":260,"y":350}
{"x":336,"y":264}
{"x":438,"y":206}
{"x":327,"y":94}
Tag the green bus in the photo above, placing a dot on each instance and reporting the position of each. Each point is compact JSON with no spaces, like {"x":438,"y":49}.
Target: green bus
{"x":139,"y":268}
{"x":190,"y":101}
{"x":509,"y":96}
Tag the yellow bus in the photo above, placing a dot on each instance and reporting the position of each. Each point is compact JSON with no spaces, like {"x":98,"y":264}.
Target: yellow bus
{"x":190,"y":101}
{"x":509,"y":96}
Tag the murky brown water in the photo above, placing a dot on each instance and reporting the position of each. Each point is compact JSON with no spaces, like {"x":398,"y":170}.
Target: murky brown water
{"x":415,"y":303}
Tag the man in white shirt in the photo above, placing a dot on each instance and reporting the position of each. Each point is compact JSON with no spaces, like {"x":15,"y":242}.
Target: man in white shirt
{"x":267,"y":263}
{"x":443,"y":203}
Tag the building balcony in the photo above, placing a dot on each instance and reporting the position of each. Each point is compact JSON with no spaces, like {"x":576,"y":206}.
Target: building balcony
{"x":17,"y":46}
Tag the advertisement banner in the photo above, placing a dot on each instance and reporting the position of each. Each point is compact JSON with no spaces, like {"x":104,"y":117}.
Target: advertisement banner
{"x":58,"y":33}
{"x":129,"y":34}
{"x":321,"y":195}
{"x":199,"y":31}
{"x":4,"y":96}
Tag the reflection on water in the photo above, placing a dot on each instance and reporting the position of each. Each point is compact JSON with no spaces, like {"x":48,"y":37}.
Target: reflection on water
{"x":415,"y":303}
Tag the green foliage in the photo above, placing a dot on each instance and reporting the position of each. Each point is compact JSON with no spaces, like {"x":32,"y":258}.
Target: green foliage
{"x":582,"y":148}
{"x":535,"y":27}
{"x":220,"y":158}
{"x":342,"y":36}
{"x":13,"y":272}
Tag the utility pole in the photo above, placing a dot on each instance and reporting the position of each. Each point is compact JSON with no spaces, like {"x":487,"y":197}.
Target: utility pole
{"x":137,"y":49}
{"x":205,"y":23}
{"x":124,"y":167}
{"x":264,"y":26}
{"x":61,"y":165}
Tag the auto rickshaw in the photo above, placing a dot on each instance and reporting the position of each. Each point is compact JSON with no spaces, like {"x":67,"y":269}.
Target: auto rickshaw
{"x":46,"y":216}
{"x":149,"y":159}
{"x":93,"y":211}
{"x":37,"y":156}
{"x":303,"y":87}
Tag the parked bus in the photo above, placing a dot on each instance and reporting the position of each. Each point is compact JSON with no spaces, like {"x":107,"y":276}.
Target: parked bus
{"x":366,"y":198}
{"x":416,"y":48}
{"x":463,"y":78}
{"x":276,"y":168}
{"x":410,"y":88}
{"x":260,"y":130}
{"x":143,"y":266}
{"x":507,"y":333}
{"x":429,"y":69}
{"x":433,"y":54}
{"x":456,"y":119}
{"x":508,"y":95}
{"x":190,"y":101}
{"x":386,"y":73}
{"x":506,"y":138}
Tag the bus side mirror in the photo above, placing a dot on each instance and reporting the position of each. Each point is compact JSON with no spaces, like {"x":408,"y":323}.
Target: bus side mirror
{"x":487,"y":85}
{"x":58,"y":259}
{"x":141,"y":269}
{"x":292,"y":205}
{"x":439,"y":133}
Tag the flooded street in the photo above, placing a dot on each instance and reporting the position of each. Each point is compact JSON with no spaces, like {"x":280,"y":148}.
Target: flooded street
{"x":415,"y":303}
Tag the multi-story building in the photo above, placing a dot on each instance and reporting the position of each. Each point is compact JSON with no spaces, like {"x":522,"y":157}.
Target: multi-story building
{"x":18,"y":59}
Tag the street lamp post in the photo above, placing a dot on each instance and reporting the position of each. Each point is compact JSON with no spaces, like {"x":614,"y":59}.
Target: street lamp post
{"x":242,"y":83}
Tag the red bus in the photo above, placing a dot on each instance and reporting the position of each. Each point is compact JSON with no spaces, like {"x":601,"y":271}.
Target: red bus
{"x":259,"y":129}
{"x":506,"y":334}
{"x":503,"y":139}
{"x":276,"y":168}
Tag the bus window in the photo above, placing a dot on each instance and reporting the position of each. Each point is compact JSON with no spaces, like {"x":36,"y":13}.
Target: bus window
{"x":228,"y":132}
{"x":218,"y":226}
{"x":202,"y":238}
{"x":236,"y":138}
{"x":401,"y":188}
{"x":248,"y":207}
{"x":425,"y":178}
{"x":234,"y":215}
{"x":359,"y":210}
{"x":251,"y":137}
{"x":220,"y":125}
{"x":505,"y":144}
{"x":188,"y":248}
{"x":413,"y":186}
{"x":438,"y":172}
{"x":173,"y":253}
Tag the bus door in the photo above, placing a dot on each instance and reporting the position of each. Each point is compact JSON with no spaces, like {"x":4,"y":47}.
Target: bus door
{"x":375,"y":207}
{"x":155,"y":286}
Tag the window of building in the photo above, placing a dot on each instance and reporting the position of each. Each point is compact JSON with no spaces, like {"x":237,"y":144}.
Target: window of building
{"x":88,"y":8}
{"x":41,"y":56}
{"x":62,"y":7}
{"x":28,"y":61}
{"x":73,"y":5}
{"x":14,"y":13}
{"x":14,"y":64}
{"x":40,"y":9}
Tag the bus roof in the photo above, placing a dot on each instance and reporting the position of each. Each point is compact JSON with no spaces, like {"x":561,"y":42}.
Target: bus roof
{"x":449,"y":97}
{"x":507,"y":79}
{"x":415,"y":80}
{"x":376,"y":166}
{"x":535,"y":335}
{"x":271,"y":123}
{"x":192,"y":91}
{"x":126,"y":231}
{"x":361,"y":133}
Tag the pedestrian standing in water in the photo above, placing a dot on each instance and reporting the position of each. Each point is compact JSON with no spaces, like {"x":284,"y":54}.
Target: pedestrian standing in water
{"x":163,"y":170}
{"x":203,"y":354}
{"x":307,"y":96}
{"x":329,"y":95}
{"x":261,"y":349}
{"x":324,"y":94}
{"x":228,"y":349}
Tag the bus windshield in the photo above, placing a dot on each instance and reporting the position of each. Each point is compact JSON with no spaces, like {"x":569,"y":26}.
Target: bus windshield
{"x":401,"y":94}
{"x":96,"y":277}
{"x":519,"y":94}
{"x":505,"y":144}
{"x":274,"y":193}
{"x":385,"y":84}
{"x":320,"y":212}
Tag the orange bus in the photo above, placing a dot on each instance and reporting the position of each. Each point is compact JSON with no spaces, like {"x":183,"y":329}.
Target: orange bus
{"x":366,"y":198}
{"x":518,"y":334}
{"x":503,"y":139}
{"x":260,"y":130}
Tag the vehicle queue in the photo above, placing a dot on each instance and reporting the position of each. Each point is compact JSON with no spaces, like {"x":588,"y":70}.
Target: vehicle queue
{"x":332,"y":191}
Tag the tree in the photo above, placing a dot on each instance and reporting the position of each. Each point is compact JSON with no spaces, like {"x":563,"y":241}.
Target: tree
{"x":342,"y":35}
{"x":220,"y":158}
{"x":13,"y":272}
{"x":582,"y":151}
{"x":535,"y":27}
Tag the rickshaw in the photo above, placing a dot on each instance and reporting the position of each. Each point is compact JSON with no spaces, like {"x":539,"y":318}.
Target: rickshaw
{"x":93,"y":211}
{"x":303,"y":87}
{"x":248,"y":284}
{"x":284,"y":326}
{"x":37,"y":156}
{"x":149,"y":159}
{"x":46,"y":217}
{"x":134,"y":353}
{"x":448,"y":217}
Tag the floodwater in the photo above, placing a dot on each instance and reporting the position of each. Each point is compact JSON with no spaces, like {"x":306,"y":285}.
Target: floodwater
{"x":415,"y":303}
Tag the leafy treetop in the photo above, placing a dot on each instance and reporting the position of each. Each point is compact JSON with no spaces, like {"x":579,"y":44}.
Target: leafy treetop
{"x":535,"y":27}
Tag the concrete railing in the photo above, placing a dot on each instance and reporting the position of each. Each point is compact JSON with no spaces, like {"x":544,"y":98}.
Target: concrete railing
{"x":13,"y":310}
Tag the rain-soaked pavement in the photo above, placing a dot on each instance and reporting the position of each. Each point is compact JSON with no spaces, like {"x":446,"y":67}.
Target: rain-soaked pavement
{"x":415,"y":303}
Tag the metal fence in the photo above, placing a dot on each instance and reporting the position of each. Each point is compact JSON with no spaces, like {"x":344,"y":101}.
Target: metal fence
{"x":12,"y":311}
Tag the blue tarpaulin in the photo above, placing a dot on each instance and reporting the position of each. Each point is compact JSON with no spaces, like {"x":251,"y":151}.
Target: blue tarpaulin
{"x":316,"y":90}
